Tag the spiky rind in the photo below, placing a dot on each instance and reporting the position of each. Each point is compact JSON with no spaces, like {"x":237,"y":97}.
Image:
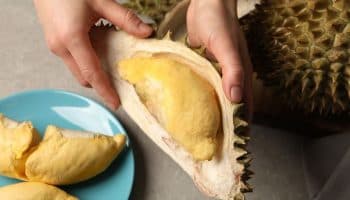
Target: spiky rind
{"x":240,"y":145}
{"x":155,"y":9}
{"x":300,"y":48}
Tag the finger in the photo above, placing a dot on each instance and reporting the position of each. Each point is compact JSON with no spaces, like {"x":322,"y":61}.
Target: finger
{"x":124,"y":18}
{"x":226,"y":51}
{"x":91,"y":70}
{"x":57,"y":47}
{"x":193,"y":41}
{"x":74,"y":68}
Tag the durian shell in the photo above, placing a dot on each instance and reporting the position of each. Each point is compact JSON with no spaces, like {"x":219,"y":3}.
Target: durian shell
{"x":222,"y":177}
{"x":274,"y":22}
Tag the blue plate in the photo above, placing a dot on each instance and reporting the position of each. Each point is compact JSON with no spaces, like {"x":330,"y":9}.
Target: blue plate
{"x":71,"y":111}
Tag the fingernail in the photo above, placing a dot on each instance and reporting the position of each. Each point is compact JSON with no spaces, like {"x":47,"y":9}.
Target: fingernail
{"x":236,"y":94}
{"x":145,"y":28}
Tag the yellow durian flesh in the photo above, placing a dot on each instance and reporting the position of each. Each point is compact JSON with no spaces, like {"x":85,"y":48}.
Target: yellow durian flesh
{"x":17,"y":140}
{"x":183,"y":102}
{"x":33,"y":191}
{"x":66,"y":157}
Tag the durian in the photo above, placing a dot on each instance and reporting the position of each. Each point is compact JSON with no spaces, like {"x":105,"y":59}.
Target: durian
{"x":17,"y":141}
{"x":155,"y":9}
{"x":67,"y":157}
{"x":33,"y":191}
{"x":301,"y":49}
{"x":221,"y":175}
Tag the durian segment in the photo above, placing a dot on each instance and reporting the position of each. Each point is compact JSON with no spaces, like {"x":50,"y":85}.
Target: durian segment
{"x":33,"y":191}
{"x":301,"y":49}
{"x":17,"y":140}
{"x":221,"y":177}
{"x":183,"y":103}
{"x":66,"y":157}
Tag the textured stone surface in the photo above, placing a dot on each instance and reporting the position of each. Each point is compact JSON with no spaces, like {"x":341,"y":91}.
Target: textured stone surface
{"x":27,"y":64}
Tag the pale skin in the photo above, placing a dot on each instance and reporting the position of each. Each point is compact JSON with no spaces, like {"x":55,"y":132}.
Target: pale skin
{"x":66,"y":24}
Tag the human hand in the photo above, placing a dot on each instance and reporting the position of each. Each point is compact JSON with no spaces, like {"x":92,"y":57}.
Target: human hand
{"x":66,"y":24}
{"x":210,"y":24}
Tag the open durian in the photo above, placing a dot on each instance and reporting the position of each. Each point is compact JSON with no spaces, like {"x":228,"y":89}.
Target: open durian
{"x":33,"y":191}
{"x":67,"y":157}
{"x":161,"y":84}
{"x":17,"y":141}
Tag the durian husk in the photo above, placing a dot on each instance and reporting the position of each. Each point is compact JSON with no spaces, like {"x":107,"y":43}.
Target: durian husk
{"x":224,"y":176}
{"x":300,"y":50}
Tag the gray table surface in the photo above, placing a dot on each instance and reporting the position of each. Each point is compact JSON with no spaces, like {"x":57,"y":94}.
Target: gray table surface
{"x":25,"y":64}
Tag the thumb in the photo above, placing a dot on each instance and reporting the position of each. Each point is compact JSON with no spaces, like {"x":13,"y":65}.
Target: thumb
{"x":124,"y":18}
{"x":226,"y":51}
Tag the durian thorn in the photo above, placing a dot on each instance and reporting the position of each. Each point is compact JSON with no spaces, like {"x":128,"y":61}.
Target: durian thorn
{"x":245,"y":161}
{"x":239,"y":122}
{"x":249,"y":172}
{"x":238,"y":140}
{"x":244,"y":156}
{"x":239,"y":196}
{"x":238,"y":109}
{"x":245,"y":188}
{"x":241,"y":152}
{"x":168,"y":35}
{"x":240,"y":145}
{"x":304,"y":84}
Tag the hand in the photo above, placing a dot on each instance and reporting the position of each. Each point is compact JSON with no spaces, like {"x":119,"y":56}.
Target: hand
{"x":209,"y":23}
{"x":66,"y":24}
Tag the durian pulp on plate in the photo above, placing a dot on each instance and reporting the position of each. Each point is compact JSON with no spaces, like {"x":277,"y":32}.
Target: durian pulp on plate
{"x":33,"y":191}
{"x":67,"y":157}
{"x":17,"y":141}
{"x":218,"y":175}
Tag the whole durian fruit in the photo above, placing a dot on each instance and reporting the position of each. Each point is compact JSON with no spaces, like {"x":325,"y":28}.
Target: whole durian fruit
{"x":301,"y":48}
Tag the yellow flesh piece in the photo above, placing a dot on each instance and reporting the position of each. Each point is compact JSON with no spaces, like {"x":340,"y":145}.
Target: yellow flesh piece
{"x":67,"y":157}
{"x":33,"y":191}
{"x":16,"y":142}
{"x":183,"y":102}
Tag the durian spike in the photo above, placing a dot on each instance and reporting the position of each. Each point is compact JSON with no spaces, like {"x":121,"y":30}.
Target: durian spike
{"x":300,"y":49}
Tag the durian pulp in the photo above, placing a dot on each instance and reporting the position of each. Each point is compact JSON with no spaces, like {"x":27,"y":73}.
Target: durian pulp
{"x":184,"y":103}
{"x":33,"y":191}
{"x":16,"y":142}
{"x":66,"y":157}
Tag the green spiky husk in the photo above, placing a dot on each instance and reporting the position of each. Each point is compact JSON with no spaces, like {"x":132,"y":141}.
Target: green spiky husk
{"x":301,"y":49}
{"x":155,"y":9}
